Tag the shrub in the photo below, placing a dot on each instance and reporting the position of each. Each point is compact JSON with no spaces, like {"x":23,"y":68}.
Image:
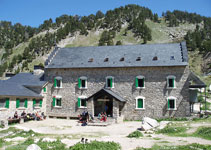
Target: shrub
{"x":204,"y":132}
{"x":171,"y":130}
{"x":135,"y":134}
{"x":96,"y":145}
{"x":172,"y":119}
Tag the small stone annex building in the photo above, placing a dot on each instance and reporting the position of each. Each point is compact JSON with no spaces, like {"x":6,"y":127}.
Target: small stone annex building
{"x":22,"y":92}
{"x":128,"y":82}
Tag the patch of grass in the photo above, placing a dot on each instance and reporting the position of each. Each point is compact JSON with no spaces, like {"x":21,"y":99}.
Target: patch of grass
{"x":208,"y":119}
{"x":208,"y":106}
{"x":193,"y":146}
{"x":164,"y":142}
{"x":1,"y":126}
{"x":172,"y":119}
{"x":21,"y":146}
{"x":135,"y":134}
{"x":96,"y":145}
{"x":10,"y":129}
{"x":173,"y":130}
{"x":56,"y":145}
{"x":203,"y":132}
{"x":156,"y":138}
{"x":24,"y":134}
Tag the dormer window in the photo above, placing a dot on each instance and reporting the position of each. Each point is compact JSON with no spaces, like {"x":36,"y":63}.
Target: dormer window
{"x":172,"y":58}
{"x":82,"y":82}
{"x":106,"y":60}
{"x":171,"y":83}
{"x":58,"y":82}
{"x":110,"y":82}
{"x":139,"y":82}
{"x":91,"y":60}
{"x":155,"y":58}
{"x":138,"y":59}
{"x":122,"y":59}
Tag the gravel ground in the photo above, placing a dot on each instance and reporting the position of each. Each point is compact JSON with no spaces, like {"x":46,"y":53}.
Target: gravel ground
{"x":114,"y":132}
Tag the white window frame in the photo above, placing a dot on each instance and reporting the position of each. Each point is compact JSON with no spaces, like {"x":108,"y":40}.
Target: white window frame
{"x":83,"y":78}
{"x":82,"y":97}
{"x":58,"y":97}
{"x":140,"y":77}
{"x":20,"y":103}
{"x":108,"y":77}
{"x":140,"y":97}
{"x":171,"y":77}
{"x":175,"y":102}
{"x":60,"y":79}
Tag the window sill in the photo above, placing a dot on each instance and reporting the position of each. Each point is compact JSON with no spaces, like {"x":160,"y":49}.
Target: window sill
{"x":171,"y":88}
{"x":140,"y":108}
{"x":139,"y":88}
{"x":3,"y":109}
{"x":21,"y":108}
{"x":59,"y":107}
{"x":37,"y":107}
{"x":83,"y":88}
{"x":58,"y":87}
{"x":82,"y":107}
{"x":172,"y":109}
{"x":109,"y":87}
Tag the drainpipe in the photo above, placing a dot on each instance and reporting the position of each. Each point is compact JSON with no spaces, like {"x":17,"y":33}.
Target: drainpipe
{"x":205,"y":101}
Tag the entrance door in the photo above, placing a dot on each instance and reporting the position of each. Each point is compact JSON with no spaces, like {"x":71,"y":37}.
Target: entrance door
{"x":103,"y":105}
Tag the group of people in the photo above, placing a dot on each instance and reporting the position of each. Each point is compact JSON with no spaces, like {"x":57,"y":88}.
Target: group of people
{"x":102,"y":116}
{"x":29,"y":116}
{"x":85,"y":117}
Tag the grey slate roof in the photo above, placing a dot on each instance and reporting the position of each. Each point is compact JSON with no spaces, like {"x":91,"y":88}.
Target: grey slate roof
{"x":174,"y":54}
{"x":108,"y":92}
{"x":198,"y":83}
{"x":17,"y":85}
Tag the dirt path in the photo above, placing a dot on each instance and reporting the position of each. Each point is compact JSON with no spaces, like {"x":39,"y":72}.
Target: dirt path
{"x":117,"y":132}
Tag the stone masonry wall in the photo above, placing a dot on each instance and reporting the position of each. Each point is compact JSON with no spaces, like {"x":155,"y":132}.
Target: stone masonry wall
{"x":5,"y":113}
{"x":155,"y":91}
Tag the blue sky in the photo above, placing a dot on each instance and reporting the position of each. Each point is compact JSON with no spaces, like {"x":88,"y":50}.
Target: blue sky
{"x":34,"y":12}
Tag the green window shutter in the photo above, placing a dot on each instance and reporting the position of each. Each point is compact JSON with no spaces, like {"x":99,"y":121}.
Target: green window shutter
{"x":136,"y":82}
{"x":111,"y":82}
{"x":54,"y":101}
{"x":34,"y":102}
{"x":140,"y":103}
{"x":173,"y":82}
{"x":17,"y":103}
{"x":26,"y":103}
{"x":143,"y":82}
{"x":7,"y":103}
{"x":55,"y":82}
{"x":79,"y":83}
{"x":79,"y":102}
{"x":41,"y":103}
{"x":168,"y":103}
{"x":44,"y":89}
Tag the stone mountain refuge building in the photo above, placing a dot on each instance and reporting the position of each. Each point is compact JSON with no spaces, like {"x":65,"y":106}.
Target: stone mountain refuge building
{"x":127,"y":82}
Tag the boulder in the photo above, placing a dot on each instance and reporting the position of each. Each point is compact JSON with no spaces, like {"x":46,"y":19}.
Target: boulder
{"x":149,"y":123}
{"x":33,"y":147}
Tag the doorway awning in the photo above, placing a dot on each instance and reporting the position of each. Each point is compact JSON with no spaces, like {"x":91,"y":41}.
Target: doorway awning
{"x":108,"y":93}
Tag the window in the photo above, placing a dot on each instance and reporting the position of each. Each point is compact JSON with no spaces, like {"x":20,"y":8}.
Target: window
{"x":58,"y":82}
{"x":106,"y":60}
{"x":37,"y":103}
{"x":140,"y":83}
{"x":140,"y":102}
{"x":21,"y":103}
{"x":171,"y":103}
{"x":57,"y":101}
{"x":122,"y":59}
{"x":82,"y":83}
{"x":110,"y":82}
{"x":171,"y":82}
{"x":138,"y":59}
{"x":45,"y":89}
{"x":4,"y":103}
{"x":155,"y":58}
{"x":82,"y":102}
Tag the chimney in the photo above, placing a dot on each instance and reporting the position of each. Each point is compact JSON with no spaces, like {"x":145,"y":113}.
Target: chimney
{"x":38,"y":69}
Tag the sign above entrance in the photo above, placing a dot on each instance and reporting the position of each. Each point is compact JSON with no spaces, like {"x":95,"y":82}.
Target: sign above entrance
{"x":103,"y":100}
